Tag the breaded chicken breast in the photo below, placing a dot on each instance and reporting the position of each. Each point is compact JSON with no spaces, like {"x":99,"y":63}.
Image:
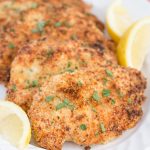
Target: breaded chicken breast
{"x":10,"y":39}
{"x":41,"y":59}
{"x":11,"y":10}
{"x":23,"y":21}
{"x":87,"y":107}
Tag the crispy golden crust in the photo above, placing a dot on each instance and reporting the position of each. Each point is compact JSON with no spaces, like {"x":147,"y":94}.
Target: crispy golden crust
{"x":82,"y":108}
{"x":23,"y":21}
{"x":10,"y":16}
{"x":41,"y":59}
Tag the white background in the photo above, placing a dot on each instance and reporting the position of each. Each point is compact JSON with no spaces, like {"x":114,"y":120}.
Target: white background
{"x":139,"y":137}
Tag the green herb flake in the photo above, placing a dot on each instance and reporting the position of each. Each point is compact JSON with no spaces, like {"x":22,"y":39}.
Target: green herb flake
{"x":34,"y":83}
{"x":113,"y":102}
{"x":40,"y":27}
{"x":105,"y":81}
{"x":60,"y":106}
{"x":14,"y":88}
{"x":130,"y":101}
{"x":83,"y":127}
{"x":68,"y":104}
{"x":66,"y":101}
{"x":102,"y":127}
{"x":109,"y":73}
{"x":49,"y":98}
{"x":97,"y":134}
{"x":96,"y":96}
{"x":11,"y":46}
{"x":65,"y":104}
{"x":70,"y":70}
{"x":106,"y":92}
{"x":93,"y":109}
{"x":79,"y":83}
{"x":58,"y":24}
{"x":34,"y":5}
{"x":69,"y":64}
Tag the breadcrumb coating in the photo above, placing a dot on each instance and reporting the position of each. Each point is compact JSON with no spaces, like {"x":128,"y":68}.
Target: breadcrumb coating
{"x":82,"y":108}
{"x":42,"y":59}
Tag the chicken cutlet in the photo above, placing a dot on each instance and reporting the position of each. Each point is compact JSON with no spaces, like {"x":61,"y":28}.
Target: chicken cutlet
{"x":10,"y":16}
{"x":11,"y":10}
{"x":30,"y":20}
{"x":41,"y":59}
{"x":87,"y":107}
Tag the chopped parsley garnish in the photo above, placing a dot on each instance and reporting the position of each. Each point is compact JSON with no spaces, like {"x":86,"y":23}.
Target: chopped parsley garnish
{"x":65,"y":104}
{"x":11,"y":46}
{"x":129,"y":101}
{"x":69,"y":64}
{"x":14,"y":88}
{"x":97,"y":134}
{"x":105,"y":81}
{"x":49,"y":98}
{"x":93,"y":109}
{"x":68,"y":104}
{"x":40,"y":27}
{"x":113,"y":102}
{"x":74,"y":37}
{"x":66,"y":101}
{"x":83,"y":127}
{"x":34,"y":83}
{"x":96,"y":96}
{"x":70,"y":70}
{"x":106,"y":92}
{"x":102,"y":127}
{"x":58,"y":24}
{"x":79,"y":83}
{"x":60,"y":106}
{"x":34,"y":5}
{"x":109,"y":73}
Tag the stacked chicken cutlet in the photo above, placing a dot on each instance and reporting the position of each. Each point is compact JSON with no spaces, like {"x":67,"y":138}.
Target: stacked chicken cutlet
{"x":62,"y":70}
{"x":24,"y":21}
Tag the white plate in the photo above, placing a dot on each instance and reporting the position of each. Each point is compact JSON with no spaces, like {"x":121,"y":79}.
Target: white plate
{"x":134,"y":139}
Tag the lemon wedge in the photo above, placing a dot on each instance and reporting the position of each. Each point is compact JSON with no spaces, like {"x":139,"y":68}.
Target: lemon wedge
{"x":117,"y":20}
{"x":14,"y":125}
{"x":135,"y":44}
